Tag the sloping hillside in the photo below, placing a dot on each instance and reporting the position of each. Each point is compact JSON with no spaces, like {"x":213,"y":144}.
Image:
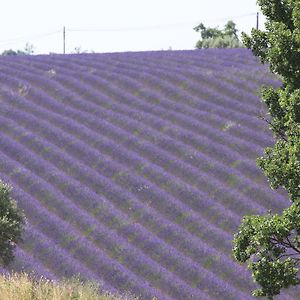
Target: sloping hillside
{"x":135,"y":169}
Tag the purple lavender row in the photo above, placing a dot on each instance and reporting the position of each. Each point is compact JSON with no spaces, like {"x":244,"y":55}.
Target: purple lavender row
{"x":236,"y":91}
{"x":190,"y":112}
{"x":190,"y":269}
{"x":99,"y":161}
{"x":45,"y":249}
{"x":205,"y":58}
{"x":171,"y":105}
{"x":244,"y":84}
{"x":237,"y":58}
{"x":214,"y":133}
{"x":147,"y":75}
{"x":75,"y":213}
{"x":4,"y":272}
{"x":65,"y":265}
{"x":239,"y":98}
{"x":83,"y":151}
{"x":93,"y":62}
{"x":62,"y":143}
{"x":192,"y":123}
{"x":168,"y":86}
{"x":192,"y":58}
{"x":59,"y":230}
{"x":24,"y":262}
{"x":88,"y":179}
{"x":37,"y":214}
{"x":134,"y":255}
{"x":107,"y":67}
{"x":162,"y":68}
{"x":167,"y":71}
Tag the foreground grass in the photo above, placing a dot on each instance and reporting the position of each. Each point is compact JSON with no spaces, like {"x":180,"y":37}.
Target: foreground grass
{"x":22,"y":287}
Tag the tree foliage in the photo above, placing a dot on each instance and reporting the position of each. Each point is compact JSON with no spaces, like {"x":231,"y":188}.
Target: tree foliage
{"x":271,"y":243}
{"x":28,"y":50}
{"x":216,"y":38}
{"x":11,"y":224}
{"x":219,"y":42}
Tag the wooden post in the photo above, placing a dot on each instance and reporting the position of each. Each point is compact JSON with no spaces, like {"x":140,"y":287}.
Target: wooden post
{"x":64,"y":40}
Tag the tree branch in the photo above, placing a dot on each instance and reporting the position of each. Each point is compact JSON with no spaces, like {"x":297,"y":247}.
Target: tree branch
{"x":287,"y":244}
{"x":280,"y":133}
{"x":283,"y":255}
{"x":292,"y":246}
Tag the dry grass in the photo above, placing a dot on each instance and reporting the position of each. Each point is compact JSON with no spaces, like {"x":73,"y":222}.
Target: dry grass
{"x":22,"y":287}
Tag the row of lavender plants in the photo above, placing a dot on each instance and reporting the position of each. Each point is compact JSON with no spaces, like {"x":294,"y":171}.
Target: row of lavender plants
{"x":135,"y":171}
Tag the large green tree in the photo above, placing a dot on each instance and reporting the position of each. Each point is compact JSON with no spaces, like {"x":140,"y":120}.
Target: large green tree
{"x":271,"y":243}
{"x":12,"y":221}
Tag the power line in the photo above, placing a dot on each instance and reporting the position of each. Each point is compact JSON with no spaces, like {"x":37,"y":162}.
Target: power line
{"x":4,"y":43}
{"x":158,"y":26}
{"x":33,"y":37}
{"x":229,"y":18}
{"x":135,"y":28}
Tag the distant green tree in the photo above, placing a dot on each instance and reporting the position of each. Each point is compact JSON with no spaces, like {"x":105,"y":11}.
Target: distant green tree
{"x":11,"y":224}
{"x":271,"y":243}
{"x":216,"y":38}
{"x":9,"y":52}
{"x":28,"y":50}
{"x":230,"y":29}
{"x":207,"y":33}
{"x":219,"y":42}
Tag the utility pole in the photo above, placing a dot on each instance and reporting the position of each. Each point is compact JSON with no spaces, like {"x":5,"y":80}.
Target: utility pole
{"x":257,"y":20}
{"x":64,"y":40}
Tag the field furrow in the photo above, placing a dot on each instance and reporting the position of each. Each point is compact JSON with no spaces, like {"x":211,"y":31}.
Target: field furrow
{"x":135,"y":169}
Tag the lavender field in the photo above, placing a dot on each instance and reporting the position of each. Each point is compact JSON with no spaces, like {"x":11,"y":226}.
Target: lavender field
{"x":135,"y":169}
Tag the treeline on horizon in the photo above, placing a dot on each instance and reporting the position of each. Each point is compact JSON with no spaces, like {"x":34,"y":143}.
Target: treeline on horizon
{"x":211,"y":37}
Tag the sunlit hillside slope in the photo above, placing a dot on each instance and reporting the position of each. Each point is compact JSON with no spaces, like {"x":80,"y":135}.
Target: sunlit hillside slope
{"x":135,"y":169}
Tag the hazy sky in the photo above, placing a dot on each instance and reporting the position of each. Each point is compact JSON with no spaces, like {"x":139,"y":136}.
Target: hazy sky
{"x":116,"y":25}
